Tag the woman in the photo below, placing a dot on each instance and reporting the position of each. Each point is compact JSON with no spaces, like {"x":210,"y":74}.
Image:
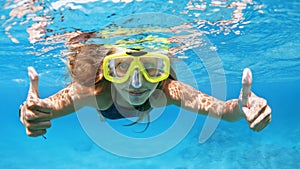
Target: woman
{"x":130,"y":83}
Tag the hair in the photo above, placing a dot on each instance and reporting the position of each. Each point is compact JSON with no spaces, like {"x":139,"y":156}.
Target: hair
{"x":84,"y":63}
{"x":84,"y":60}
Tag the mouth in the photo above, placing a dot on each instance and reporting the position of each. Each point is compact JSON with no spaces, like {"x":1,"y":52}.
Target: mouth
{"x":137,"y":92}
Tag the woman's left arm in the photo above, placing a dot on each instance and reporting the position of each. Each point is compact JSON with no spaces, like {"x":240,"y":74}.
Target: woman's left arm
{"x":248,"y":105}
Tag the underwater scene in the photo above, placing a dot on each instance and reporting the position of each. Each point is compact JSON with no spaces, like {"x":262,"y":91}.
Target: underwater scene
{"x":209,"y":44}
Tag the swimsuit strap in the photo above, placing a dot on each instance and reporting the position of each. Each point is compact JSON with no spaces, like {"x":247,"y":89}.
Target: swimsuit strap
{"x":144,"y":107}
{"x":113,"y":112}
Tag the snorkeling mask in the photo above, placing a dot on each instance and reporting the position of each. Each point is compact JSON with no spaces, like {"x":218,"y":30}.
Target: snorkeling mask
{"x":117,"y":68}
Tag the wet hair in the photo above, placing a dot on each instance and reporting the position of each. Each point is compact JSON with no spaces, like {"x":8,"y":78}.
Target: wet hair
{"x":143,"y":109}
{"x":85,"y":63}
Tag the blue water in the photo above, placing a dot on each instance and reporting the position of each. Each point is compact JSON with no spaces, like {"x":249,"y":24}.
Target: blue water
{"x":269,"y":44}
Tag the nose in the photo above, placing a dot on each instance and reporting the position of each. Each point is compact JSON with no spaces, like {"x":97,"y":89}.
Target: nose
{"x":136,"y":80}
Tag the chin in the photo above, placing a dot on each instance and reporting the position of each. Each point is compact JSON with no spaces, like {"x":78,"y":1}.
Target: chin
{"x":137,"y":101}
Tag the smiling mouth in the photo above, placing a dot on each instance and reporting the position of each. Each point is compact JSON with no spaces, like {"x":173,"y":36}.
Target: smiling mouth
{"x":137,"y":93}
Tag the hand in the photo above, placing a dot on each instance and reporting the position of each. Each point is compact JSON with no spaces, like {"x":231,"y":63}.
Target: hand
{"x":256,"y":110}
{"x":35,"y":114}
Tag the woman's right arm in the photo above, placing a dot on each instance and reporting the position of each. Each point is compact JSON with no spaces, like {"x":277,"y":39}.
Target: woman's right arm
{"x":36,"y":113}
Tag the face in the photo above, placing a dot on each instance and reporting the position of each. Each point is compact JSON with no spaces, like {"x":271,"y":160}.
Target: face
{"x":136,"y":90}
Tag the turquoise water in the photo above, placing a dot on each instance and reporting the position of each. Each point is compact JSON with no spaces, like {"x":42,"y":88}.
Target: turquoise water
{"x":266,"y":39}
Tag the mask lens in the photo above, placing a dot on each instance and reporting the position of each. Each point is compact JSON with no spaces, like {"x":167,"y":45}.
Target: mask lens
{"x":154,"y":66}
{"x":118,"y":67}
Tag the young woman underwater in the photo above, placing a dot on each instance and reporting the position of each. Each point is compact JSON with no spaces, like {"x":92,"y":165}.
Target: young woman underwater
{"x":123,"y":81}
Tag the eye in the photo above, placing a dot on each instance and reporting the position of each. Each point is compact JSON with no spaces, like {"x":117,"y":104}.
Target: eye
{"x":123,"y":66}
{"x":151,"y":69}
{"x":149,"y":65}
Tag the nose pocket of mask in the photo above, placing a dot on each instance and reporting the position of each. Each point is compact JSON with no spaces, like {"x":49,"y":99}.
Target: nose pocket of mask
{"x":136,"y":79}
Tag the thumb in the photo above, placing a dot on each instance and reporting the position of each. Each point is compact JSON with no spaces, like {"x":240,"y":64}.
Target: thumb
{"x":246,"y":86}
{"x":34,"y":82}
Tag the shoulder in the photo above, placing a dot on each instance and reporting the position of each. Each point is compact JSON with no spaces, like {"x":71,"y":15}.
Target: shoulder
{"x":172,"y":90}
{"x":97,"y":96}
{"x":99,"y":88}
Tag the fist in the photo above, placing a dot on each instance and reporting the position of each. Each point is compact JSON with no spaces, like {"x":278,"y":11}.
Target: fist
{"x":35,"y":114}
{"x":256,"y":110}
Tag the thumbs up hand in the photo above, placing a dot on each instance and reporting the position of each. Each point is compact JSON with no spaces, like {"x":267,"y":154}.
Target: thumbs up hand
{"x":35,"y":114}
{"x":256,"y":110}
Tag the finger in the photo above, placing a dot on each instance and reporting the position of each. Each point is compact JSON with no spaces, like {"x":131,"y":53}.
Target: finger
{"x":254,"y":111}
{"x":36,"y":116}
{"x":266,"y":120}
{"x":39,"y":105}
{"x":246,"y":86}
{"x":261,"y":121}
{"x":39,"y":125}
{"x":35,"y":133}
{"x":263,"y":124}
{"x":34,"y":80}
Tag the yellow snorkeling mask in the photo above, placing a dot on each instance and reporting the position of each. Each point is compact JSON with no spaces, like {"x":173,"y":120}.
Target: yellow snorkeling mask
{"x":117,"y":68}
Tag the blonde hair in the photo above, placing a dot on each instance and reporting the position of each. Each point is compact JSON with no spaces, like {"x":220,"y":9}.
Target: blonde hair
{"x":84,"y":61}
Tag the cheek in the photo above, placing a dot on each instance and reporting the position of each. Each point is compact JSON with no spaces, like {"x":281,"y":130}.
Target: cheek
{"x":121,"y":85}
{"x":147,"y":85}
{"x":117,"y":87}
{"x":151,"y":86}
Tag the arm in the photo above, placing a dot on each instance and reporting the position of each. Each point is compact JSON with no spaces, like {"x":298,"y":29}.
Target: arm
{"x":36,"y":113}
{"x":63,"y":102}
{"x":255,"y":109}
{"x":187,"y":97}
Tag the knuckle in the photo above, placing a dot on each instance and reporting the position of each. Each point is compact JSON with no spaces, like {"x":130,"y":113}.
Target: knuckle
{"x":28,"y":115}
{"x":21,"y":118}
{"x":30,"y":133}
{"x":43,"y":132}
{"x":49,"y":124}
{"x":30,"y":102}
{"x":27,"y":125}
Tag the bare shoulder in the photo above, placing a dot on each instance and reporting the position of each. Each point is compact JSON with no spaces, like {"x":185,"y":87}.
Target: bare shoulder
{"x":173,"y":90}
{"x":97,"y":96}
